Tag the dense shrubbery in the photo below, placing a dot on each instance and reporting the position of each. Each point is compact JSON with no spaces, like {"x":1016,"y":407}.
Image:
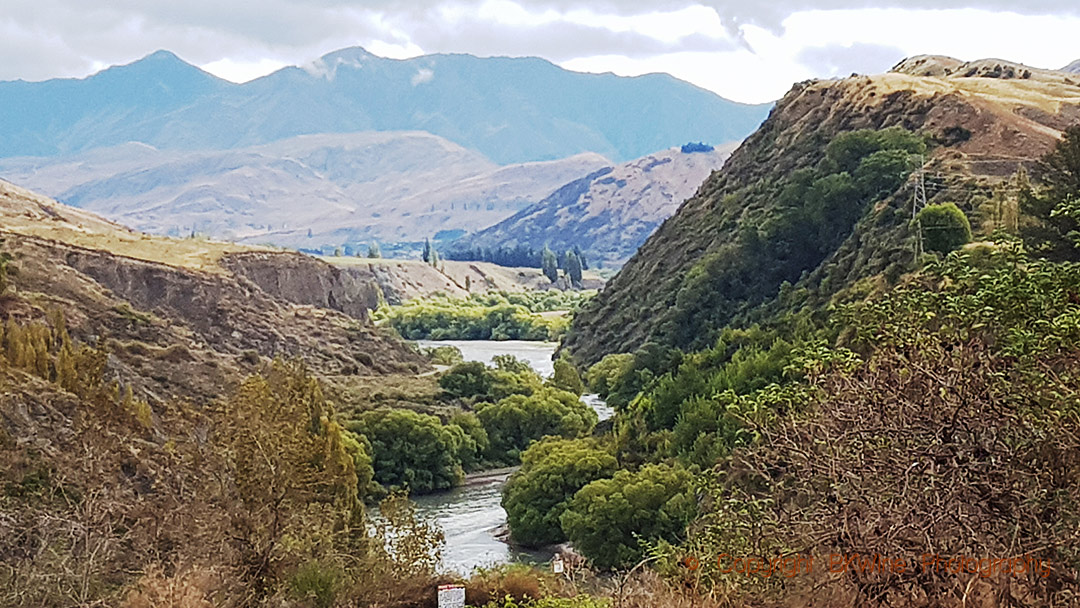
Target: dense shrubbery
{"x":411,"y":451}
{"x":552,"y":471}
{"x":516,"y":421}
{"x":483,"y":317}
{"x":612,"y":520}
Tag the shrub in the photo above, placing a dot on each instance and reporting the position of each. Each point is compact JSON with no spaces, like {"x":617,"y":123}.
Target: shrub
{"x":518,"y":420}
{"x":552,"y":471}
{"x":944,"y":227}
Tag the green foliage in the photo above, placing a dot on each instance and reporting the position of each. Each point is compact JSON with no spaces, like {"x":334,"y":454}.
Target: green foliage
{"x":605,"y":374}
{"x":1054,"y":228}
{"x":573,"y":268}
{"x":511,"y":364}
{"x":467,"y":379}
{"x":444,"y":355}
{"x":549,"y":264}
{"x":581,"y":601}
{"x":318,"y":583}
{"x":518,"y":420}
{"x":475,"y":318}
{"x":374,"y":251}
{"x":566,"y":378}
{"x":552,"y":471}
{"x":470,"y":439}
{"x":410,"y":451}
{"x":847,"y":150}
{"x":5,"y":268}
{"x":608,"y":520}
{"x":944,"y":227}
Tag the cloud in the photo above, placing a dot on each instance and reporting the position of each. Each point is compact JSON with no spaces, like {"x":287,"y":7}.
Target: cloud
{"x":841,"y":60}
{"x":422,"y":75}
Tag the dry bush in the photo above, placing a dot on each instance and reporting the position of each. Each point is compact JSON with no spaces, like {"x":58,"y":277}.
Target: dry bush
{"x":193,"y":588}
{"x":941,"y":450}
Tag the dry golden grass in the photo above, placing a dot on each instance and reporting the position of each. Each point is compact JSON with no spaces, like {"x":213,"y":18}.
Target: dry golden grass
{"x":23,"y":212}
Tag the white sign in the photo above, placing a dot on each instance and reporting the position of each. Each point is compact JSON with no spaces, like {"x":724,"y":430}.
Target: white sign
{"x":451,"y":596}
{"x":557,"y":565}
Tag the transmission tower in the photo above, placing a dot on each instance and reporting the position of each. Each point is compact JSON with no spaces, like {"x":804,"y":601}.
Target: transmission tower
{"x":918,"y":203}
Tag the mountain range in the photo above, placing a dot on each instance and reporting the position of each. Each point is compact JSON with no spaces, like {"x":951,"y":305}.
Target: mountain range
{"x":308,"y":191}
{"x":607,"y":214}
{"x":512,"y":110}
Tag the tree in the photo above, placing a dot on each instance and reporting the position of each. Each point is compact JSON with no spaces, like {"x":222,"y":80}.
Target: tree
{"x":435,"y":258}
{"x":374,"y":251}
{"x":608,"y":520}
{"x":410,"y":451}
{"x":550,"y":265}
{"x":573,"y":269}
{"x":1054,"y":231}
{"x":566,"y":377}
{"x":337,"y":252}
{"x":5,"y":261}
{"x":551,"y":472}
{"x":518,"y":420}
{"x":944,"y":227}
{"x":468,"y":379}
{"x":426,"y":253}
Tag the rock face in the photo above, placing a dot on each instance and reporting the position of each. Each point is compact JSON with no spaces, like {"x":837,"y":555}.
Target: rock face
{"x":986,"y":118}
{"x":609,"y":213}
{"x":179,"y":327}
{"x":301,"y":279}
{"x":1072,"y":68}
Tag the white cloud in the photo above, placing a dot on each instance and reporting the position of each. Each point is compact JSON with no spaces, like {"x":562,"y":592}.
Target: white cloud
{"x":422,"y":75}
{"x":748,"y":51}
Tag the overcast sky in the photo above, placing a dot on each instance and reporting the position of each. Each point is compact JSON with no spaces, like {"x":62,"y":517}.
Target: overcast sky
{"x":747,"y":50}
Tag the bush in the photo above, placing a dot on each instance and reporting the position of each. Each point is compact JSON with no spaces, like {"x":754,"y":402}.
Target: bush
{"x":944,"y":227}
{"x":410,"y":451}
{"x":518,"y":420}
{"x":468,"y":379}
{"x":609,"y":519}
{"x":566,"y":377}
{"x":552,"y":471}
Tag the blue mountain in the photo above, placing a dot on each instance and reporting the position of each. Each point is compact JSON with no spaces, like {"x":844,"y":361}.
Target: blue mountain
{"x":510,"y":109}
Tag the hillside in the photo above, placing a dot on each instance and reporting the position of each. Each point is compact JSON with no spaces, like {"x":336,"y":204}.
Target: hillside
{"x":609,"y":213}
{"x":177,"y":322}
{"x":510,"y":110}
{"x":351,"y":188}
{"x":778,"y":213}
{"x":1072,"y":68}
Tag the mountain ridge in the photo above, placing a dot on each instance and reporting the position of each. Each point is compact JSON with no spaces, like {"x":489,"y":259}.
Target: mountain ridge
{"x":691,"y":277}
{"x":607,"y":214}
{"x":487,"y":104}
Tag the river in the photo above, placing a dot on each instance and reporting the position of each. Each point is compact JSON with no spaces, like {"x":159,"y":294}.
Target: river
{"x":471,"y":515}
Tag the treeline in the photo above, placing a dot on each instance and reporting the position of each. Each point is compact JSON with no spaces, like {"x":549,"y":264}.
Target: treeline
{"x":518,"y":256}
{"x":491,"y":316}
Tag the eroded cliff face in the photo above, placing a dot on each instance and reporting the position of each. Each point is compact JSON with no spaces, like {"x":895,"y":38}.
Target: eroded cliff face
{"x":985,"y":120}
{"x":301,"y":279}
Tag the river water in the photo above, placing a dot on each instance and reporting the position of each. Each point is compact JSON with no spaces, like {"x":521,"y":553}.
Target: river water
{"x":471,"y":515}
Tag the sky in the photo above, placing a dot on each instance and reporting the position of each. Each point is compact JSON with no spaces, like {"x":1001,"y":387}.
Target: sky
{"x":746,"y":50}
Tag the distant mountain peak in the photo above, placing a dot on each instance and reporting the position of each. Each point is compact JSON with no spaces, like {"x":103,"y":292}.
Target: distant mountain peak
{"x":354,"y":57}
{"x":1072,"y":68}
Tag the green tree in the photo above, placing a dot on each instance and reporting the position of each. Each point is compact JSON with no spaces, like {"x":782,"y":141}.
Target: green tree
{"x":374,"y":251}
{"x":609,"y":519}
{"x":944,"y":227}
{"x":516,"y":421}
{"x":1054,"y":228}
{"x":549,"y":264}
{"x":410,"y":451}
{"x":434,"y":258}
{"x":5,"y":262}
{"x":566,"y":377}
{"x":605,"y":373}
{"x":468,"y":379}
{"x":573,"y":268}
{"x":471,"y":439}
{"x":552,"y":471}
{"x":426,"y":253}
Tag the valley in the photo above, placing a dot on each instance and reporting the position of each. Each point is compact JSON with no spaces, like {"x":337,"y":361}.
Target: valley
{"x":325,"y":340}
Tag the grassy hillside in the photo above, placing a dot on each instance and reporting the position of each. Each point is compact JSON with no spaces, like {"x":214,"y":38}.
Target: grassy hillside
{"x":783,"y":210}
